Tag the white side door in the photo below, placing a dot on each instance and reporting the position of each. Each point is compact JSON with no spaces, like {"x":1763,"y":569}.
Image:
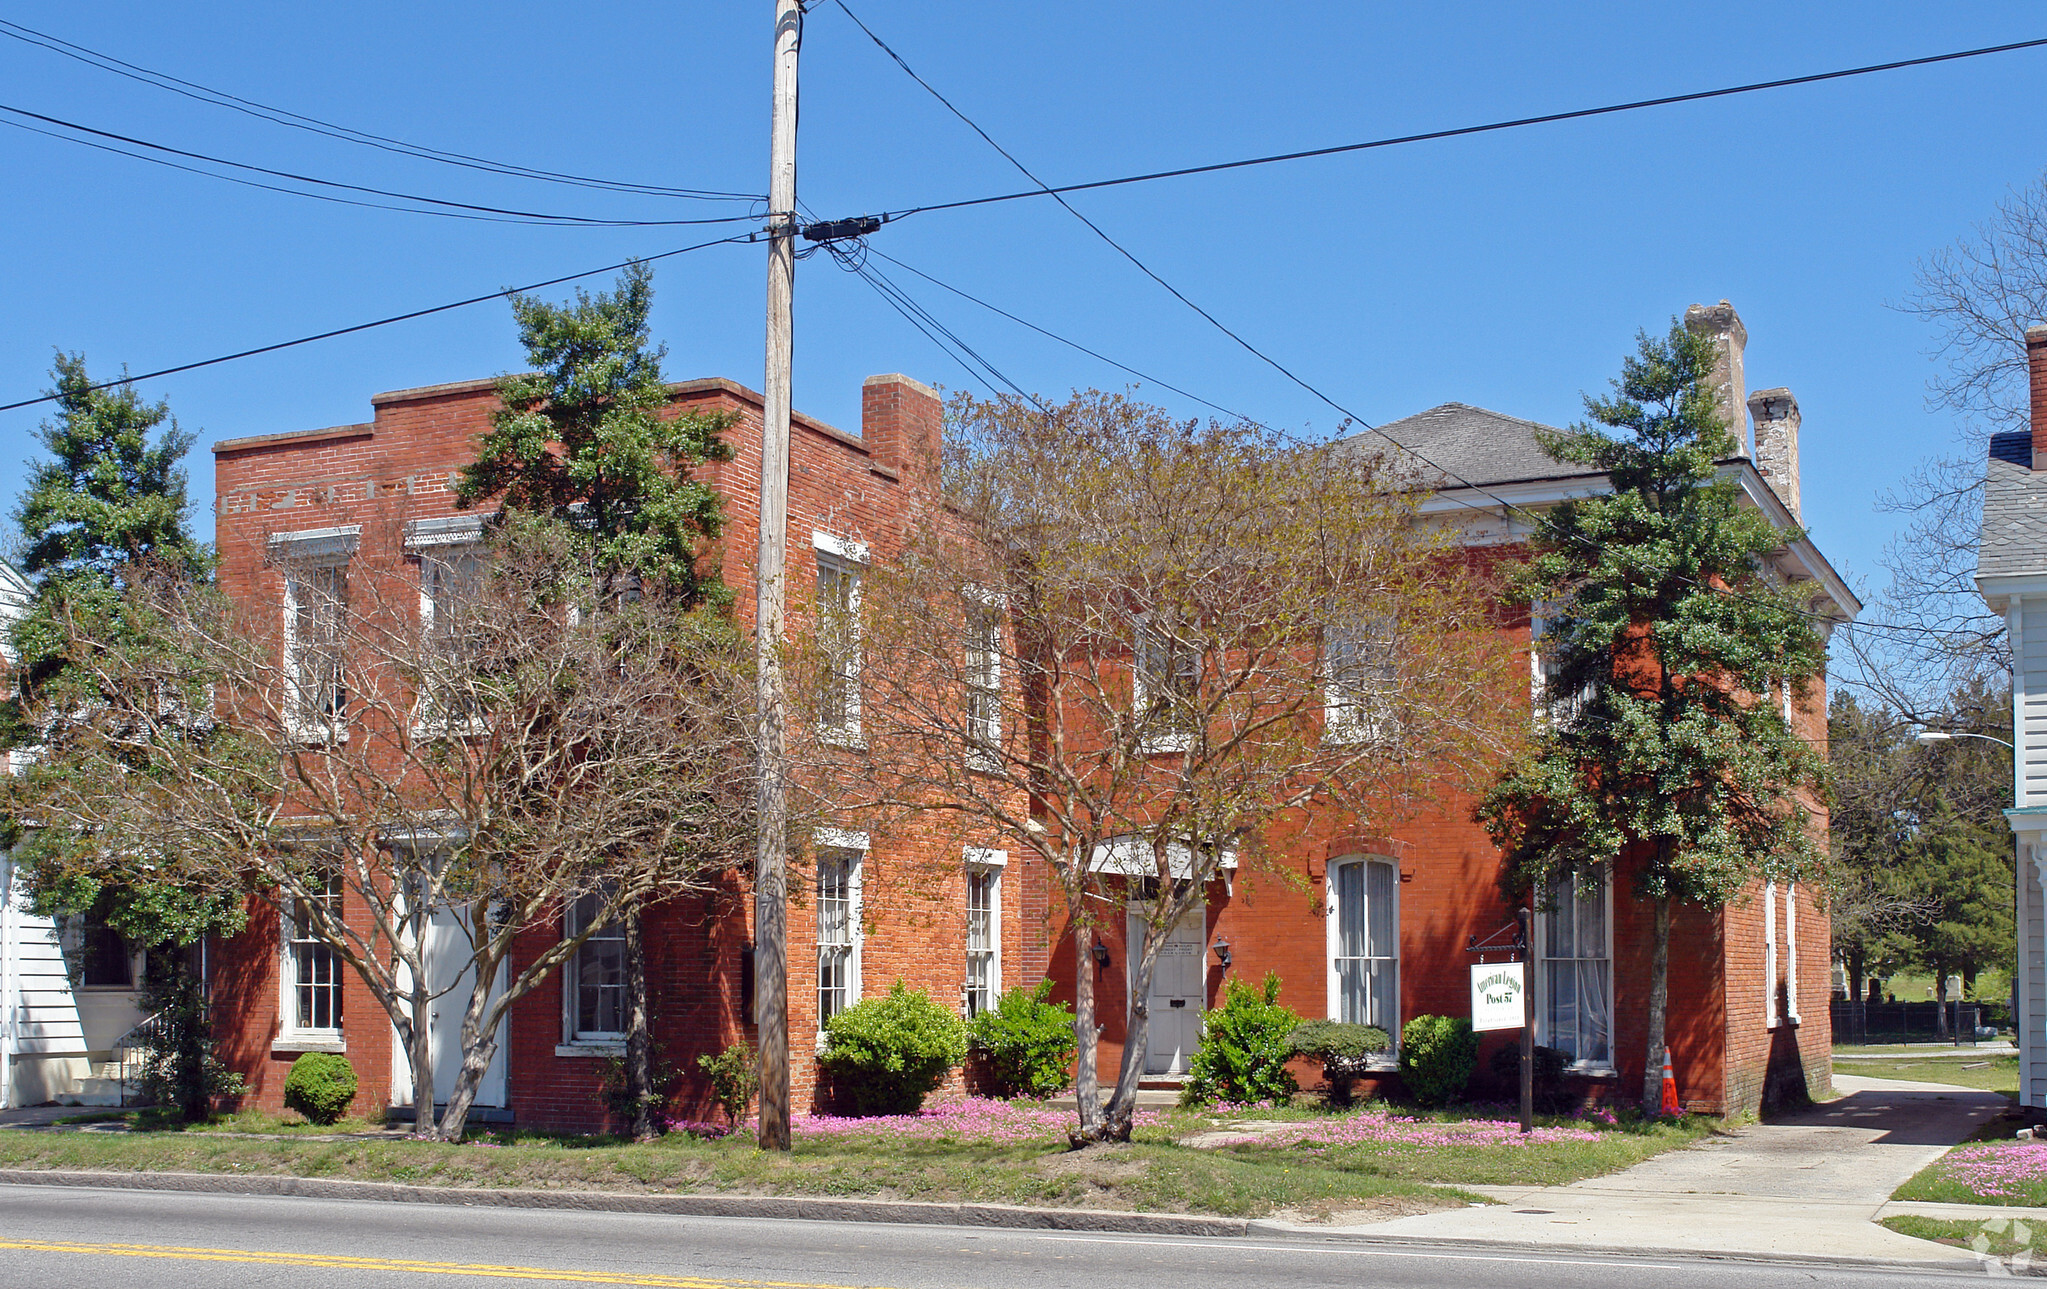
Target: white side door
{"x":1178,"y":991}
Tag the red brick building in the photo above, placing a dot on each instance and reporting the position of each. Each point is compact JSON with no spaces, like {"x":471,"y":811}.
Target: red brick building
{"x":381,"y":492}
{"x":1380,"y":934}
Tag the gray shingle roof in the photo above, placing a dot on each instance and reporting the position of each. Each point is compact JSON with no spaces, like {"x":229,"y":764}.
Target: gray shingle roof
{"x":2014,"y":510}
{"x":1474,"y":445}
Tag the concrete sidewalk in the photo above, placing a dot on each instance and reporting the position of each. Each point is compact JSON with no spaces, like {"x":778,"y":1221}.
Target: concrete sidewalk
{"x":1804,"y":1185}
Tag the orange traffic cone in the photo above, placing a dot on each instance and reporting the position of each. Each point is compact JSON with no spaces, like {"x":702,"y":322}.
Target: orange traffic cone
{"x":1670,"y":1104}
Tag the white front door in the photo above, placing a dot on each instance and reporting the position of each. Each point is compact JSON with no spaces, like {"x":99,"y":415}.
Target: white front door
{"x":1178,"y":991}
{"x":451,"y":976}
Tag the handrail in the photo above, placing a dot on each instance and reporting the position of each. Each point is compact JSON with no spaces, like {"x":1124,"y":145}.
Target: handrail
{"x":132,"y":1049}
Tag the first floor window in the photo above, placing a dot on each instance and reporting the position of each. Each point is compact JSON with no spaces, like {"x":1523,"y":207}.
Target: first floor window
{"x":984,"y":909}
{"x":596,"y":1001}
{"x":838,"y":924}
{"x":1365,"y":943}
{"x":100,"y":957}
{"x":315,"y":964}
{"x":1576,"y":1003}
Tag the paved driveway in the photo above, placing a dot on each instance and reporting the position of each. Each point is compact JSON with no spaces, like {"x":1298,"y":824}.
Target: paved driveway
{"x":1802,"y":1184}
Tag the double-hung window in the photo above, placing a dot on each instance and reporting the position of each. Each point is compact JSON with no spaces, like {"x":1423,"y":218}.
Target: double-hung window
{"x":839,"y":566}
{"x":1360,"y":679}
{"x":315,"y":568}
{"x":1166,"y":686}
{"x":984,"y":930}
{"x":451,"y":571}
{"x":1574,"y":1010}
{"x":838,"y":928}
{"x":312,"y":966}
{"x":1364,"y":943}
{"x":1554,"y":705}
{"x":594,"y":999}
{"x":983,"y":667}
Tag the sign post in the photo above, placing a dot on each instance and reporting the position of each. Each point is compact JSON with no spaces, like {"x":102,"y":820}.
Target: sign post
{"x":1503,"y":997}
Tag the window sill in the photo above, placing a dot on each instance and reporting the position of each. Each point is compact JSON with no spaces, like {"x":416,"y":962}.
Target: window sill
{"x":1382,"y":1065}
{"x":1166,"y":745}
{"x":1590,"y":1072}
{"x":851,"y":741}
{"x":597,"y":1049}
{"x":293,"y":1044}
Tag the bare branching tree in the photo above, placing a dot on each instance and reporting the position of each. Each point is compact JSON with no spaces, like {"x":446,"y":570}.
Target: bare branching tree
{"x":496,"y":749}
{"x":1140,"y":650}
{"x":1979,"y":294}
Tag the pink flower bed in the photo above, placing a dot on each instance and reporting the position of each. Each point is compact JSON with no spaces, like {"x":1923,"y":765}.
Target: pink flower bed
{"x":1998,"y":1171}
{"x":973,"y":1119}
{"x":1376,"y":1128}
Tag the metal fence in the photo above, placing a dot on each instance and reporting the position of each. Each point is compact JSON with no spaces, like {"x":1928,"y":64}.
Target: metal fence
{"x":1859,"y":1023}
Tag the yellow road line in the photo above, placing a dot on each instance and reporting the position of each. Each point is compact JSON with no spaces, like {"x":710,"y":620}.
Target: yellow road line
{"x":342,"y":1262}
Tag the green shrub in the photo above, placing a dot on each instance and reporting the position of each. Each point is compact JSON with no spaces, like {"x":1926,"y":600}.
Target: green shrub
{"x":181,"y":1070}
{"x":320,"y":1086}
{"x":735,"y":1076}
{"x":1549,"y":1074}
{"x":1437,"y":1057}
{"x":1024,"y":1042}
{"x":1244,"y":1048}
{"x":1345,"y":1049}
{"x":884,"y":1054}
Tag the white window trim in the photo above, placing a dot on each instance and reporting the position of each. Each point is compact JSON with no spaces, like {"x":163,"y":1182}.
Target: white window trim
{"x":984,"y":745}
{"x":1791,"y":952}
{"x":850,"y":558}
{"x":1353,"y":715}
{"x":579,"y":1042}
{"x":854,"y":843}
{"x":1770,"y":1017}
{"x":1332,"y":939}
{"x":428,"y":721}
{"x":1538,"y":928}
{"x":306,"y":549}
{"x":1158,"y":742}
{"x":1542,"y":703}
{"x":292,"y":1036}
{"x":991,"y":862}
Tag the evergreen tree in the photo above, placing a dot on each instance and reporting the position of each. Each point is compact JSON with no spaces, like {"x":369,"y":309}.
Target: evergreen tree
{"x":1677,"y":763}
{"x":582,"y":445}
{"x":108,"y":505}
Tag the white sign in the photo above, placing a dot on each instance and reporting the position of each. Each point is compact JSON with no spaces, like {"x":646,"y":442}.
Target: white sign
{"x":1496,"y":996}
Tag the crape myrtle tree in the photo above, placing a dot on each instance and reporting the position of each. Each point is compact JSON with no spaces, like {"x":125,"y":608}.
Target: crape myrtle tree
{"x":536,"y":742}
{"x":584,"y":444}
{"x":108,"y":499}
{"x":1668,"y":649}
{"x":1132,"y":647}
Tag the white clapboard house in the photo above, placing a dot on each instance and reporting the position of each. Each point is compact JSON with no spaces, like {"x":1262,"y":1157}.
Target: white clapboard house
{"x":2011,"y":573}
{"x":67,"y":992}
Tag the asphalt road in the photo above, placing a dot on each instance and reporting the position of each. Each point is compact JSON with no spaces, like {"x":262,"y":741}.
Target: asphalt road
{"x":60,"y":1235}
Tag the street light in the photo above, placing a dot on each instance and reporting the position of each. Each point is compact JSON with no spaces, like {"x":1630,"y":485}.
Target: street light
{"x":1927,"y":738}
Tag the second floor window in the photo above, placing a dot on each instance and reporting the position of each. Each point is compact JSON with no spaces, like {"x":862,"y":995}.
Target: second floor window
{"x":838,"y":610}
{"x":316,"y":614}
{"x":1166,"y":685}
{"x":984,"y":686}
{"x":450,"y":583}
{"x":1361,"y":676}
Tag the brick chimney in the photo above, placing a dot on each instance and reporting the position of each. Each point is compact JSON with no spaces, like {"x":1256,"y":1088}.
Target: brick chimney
{"x":1723,"y":325}
{"x":1776,"y":414}
{"x":2036,"y":368}
{"x":901,"y":421}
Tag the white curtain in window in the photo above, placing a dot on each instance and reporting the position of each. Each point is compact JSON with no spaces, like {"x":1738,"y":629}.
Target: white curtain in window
{"x":1367,"y":943}
{"x":1578,"y":970}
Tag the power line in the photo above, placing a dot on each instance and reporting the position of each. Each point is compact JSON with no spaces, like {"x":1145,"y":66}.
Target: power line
{"x":1460,"y":131}
{"x":384,"y":322}
{"x":347,"y":134}
{"x":977,"y":366}
{"x":522,"y":215}
{"x":1535,"y":519}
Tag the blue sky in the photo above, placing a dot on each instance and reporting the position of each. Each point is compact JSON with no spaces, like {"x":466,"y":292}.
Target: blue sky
{"x":1510,"y":271}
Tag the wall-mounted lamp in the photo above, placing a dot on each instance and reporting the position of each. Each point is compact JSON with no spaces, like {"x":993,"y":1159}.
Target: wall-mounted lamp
{"x":1222,"y":953}
{"x":1101,"y":955}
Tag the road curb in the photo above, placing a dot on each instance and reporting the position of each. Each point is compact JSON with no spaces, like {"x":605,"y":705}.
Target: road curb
{"x":1638,"y":1251}
{"x":797,"y":1208}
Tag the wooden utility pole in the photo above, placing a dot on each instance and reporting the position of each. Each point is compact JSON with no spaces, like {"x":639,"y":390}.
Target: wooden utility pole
{"x":771,"y":867}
